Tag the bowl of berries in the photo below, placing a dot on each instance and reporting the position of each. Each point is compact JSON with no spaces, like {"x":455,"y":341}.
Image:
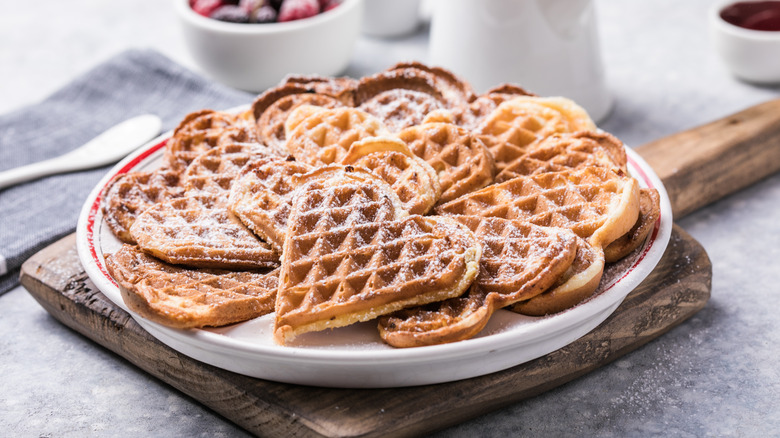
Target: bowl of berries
{"x":252,"y":44}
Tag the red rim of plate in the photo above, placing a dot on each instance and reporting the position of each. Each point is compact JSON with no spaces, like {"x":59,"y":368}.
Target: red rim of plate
{"x":90,"y":225}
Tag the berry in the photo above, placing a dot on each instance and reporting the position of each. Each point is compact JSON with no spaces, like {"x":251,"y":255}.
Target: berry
{"x":206,"y":7}
{"x":323,"y":3}
{"x":232,"y":14}
{"x":266,"y":14}
{"x":251,"y":5}
{"x":298,"y":9}
{"x":276,"y":4}
{"x":330,"y":5}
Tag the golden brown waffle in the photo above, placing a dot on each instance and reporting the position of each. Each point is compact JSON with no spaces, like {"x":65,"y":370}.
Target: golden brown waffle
{"x":516,"y":124}
{"x":200,"y":231}
{"x":341,"y":89}
{"x":575,"y":285}
{"x":412,"y":179}
{"x":515,"y":252}
{"x":190,"y":298}
{"x":204,"y":130}
{"x":214,"y":171}
{"x":130,"y":194}
{"x":454,"y":88}
{"x":649,"y":212}
{"x":405,"y":79}
{"x":442,"y":322}
{"x":483,"y":105}
{"x":568,"y":151}
{"x":270,"y":124}
{"x":519,"y":261}
{"x":596,"y":203}
{"x":350,"y":256}
{"x":298,"y":115}
{"x":325,"y":135}
{"x":399,"y":108}
{"x":460,"y":159}
{"x":439,"y":84}
{"x":262,"y":197}
{"x":503,"y":92}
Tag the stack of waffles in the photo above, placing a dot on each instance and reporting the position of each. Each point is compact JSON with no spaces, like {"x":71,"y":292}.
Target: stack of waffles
{"x":402,"y":197}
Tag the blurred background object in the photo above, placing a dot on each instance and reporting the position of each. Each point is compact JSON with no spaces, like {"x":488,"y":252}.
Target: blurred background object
{"x":746,"y":35}
{"x":255,"y":56}
{"x":391,"y":19}
{"x":551,"y":47}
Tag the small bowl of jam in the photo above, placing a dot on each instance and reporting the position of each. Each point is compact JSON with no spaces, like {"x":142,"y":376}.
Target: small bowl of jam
{"x":746,"y":34}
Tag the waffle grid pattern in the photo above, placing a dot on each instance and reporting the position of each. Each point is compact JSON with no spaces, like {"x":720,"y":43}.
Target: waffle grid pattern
{"x":461,"y":160}
{"x":215,"y":170}
{"x":262,"y":198}
{"x":349,"y":251}
{"x":325,"y":137}
{"x":568,"y":151}
{"x":130,"y":194}
{"x":577,"y":200}
{"x":198,"y":230}
{"x":188,"y":298}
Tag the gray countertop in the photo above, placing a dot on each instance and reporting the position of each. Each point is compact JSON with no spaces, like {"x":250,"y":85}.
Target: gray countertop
{"x":715,"y":375}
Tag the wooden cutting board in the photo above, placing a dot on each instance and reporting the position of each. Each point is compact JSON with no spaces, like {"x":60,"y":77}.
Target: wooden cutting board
{"x":696,"y":167}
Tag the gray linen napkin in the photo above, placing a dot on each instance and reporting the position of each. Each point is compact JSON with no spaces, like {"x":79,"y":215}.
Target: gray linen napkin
{"x":37,"y":213}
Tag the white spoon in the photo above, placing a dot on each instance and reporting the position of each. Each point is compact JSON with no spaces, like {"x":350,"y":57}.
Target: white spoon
{"x":108,"y":147}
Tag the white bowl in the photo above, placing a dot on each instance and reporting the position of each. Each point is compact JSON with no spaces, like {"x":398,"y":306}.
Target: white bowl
{"x":253,"y":57}
{"x":751,"y":55}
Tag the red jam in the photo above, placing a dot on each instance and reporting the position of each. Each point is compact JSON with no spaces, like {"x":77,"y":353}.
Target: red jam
{"x":763,"y":15}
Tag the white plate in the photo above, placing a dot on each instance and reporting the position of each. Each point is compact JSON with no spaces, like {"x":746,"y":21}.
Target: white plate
{"x":354,"y":356}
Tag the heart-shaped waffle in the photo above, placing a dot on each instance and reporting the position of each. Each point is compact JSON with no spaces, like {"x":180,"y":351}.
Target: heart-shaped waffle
{"x":461,"y":160}
{"x":438,"y":84}
{"x":352,"y":255}
{"x":270,"y":124}
{"x":341,"y":89}
{"x":451,"y":320}
{"x":453,"y":88}
{"x":201,"y":131}
{"x":200,"y":231}
{"x":516,"y":124}
{"x":262,"y":197}
{"x":568,"y":151}
{"x":324,"y":136}
{"x":128,"y":195}
{"x":483,"y":105}
{"x":214,"y":171}
{"x":187,"y":298}
{"x":400,"y":108}
{"x":519,"y":261}
{"x":595,"y":202}
{"x":576,"y":284}
{"x":412,"y":179}
{"x":405,"y":79}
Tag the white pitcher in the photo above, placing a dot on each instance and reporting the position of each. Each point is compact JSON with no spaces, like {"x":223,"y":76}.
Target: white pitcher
{"x":549,"y":47}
